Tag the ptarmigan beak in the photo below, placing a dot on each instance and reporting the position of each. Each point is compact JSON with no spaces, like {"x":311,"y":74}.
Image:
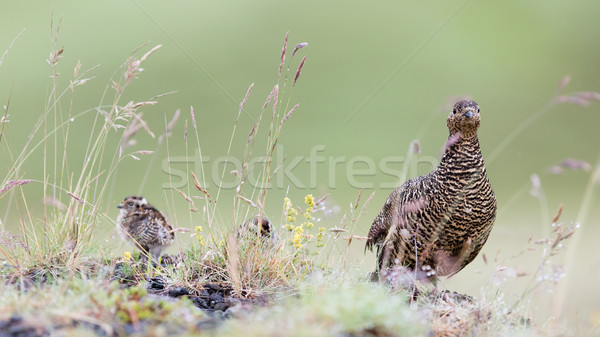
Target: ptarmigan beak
{"x":469,"y":114}
{"x":119,"y":206}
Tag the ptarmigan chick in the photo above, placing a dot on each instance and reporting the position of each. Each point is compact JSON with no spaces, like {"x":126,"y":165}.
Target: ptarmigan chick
{"x":436,"y":224}
{"x":249,"y":231}
{"x":144,"y":226}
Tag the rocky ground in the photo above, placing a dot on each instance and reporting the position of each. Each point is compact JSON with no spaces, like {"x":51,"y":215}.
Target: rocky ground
{"x":216,"y":300}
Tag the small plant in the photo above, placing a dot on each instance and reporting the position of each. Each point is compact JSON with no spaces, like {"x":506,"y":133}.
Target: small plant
{"x":133,"y":306}
{"x":301,"y":233}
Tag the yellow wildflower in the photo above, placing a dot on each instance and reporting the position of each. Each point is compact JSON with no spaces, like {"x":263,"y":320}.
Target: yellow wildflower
{"x":299,"y":230}
{"x":320,"y":237}
{"x":309,"y":200}
{"x":310,"y":225}
{"x":198,"y":229}
{"x":127,"y":255}
{"x":287,"y":204}
{"x":297,"y":241}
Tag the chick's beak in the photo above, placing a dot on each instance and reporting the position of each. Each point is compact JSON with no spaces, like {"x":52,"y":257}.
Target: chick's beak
{"x":119,"y":206}
{"x":469,"y":114}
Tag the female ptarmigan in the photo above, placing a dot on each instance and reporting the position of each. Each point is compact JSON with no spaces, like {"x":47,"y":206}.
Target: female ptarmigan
{"x":436,"y":224}
{"x":144,"y":226}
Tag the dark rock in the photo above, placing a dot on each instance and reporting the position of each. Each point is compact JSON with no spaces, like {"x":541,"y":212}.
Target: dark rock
{"x":204,"y":293}
{"x":178,"y":292}
{"x":212,"y":286}
{"x":221,"y":306}
{"x":156,"y":283}
{"x":217,"y":298}
{"x":199,"y":302}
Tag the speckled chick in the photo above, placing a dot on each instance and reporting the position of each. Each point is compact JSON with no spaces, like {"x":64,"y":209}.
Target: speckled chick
{"x":436,"y":224}
{"x":249,"y":230}
{"x":142,"y":225}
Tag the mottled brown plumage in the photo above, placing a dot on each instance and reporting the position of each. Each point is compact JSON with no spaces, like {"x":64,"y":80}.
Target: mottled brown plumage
{"x":436,"y":224}
{"x":249,"y":231}
{"x":144,"y":226}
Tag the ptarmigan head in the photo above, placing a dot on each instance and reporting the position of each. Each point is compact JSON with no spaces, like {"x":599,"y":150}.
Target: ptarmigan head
{"x":132,"y":203}
{"x":464,"y":118}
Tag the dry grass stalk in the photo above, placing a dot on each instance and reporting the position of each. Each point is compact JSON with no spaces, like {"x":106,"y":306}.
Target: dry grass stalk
{"x":193,"y":117}
{"x":298,"y":47}
{"x":563,"y":83}
{"x":55,"y":56}
{"x":248,"y":201}
{"x":133,"y":68}
{"x":571,"y":164}
{"x":126,"y":139}
{"x":576,"y":164}
{"x":268,"y":100}
{"x":169,"y":127}
{"x":79,"y":200}
{"x":289,"y":114}
{"x":251,"y":134}
{"x":11,"y":45}
{"x":299,"y":71}
{"x":13,"y":183}
{"x":245,"y":98}
{"x":322,"y":200}
{"x":583,"y":98}
{"x":283,"y":49}
{"x":4,"y":120}
{"x":275,"y":99}
{"x":199,"y":187}
{"x":233,"y":265}
{"x":185,"y":196}
{"x":185,"y":132}
{"x":415,"y":146}
{"x":136,"y":124}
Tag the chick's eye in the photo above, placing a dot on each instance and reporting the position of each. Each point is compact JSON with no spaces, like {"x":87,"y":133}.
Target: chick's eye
{"x":477,"y":110}
{"x":130,"y":204}
{"x":453,"y":111}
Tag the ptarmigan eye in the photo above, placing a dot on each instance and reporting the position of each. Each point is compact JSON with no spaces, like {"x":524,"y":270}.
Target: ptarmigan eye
{"x":130,"y":204}
{"x":453,"y":111}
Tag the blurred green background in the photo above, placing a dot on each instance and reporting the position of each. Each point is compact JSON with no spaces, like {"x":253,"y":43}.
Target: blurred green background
{"x":377,"y":76}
